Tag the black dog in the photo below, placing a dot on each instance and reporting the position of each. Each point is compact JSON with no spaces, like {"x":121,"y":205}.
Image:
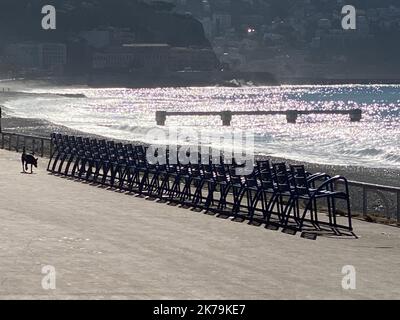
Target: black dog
{"x":27,"y":159}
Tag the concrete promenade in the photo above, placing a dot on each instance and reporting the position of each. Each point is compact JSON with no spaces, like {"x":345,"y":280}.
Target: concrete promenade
{"x":108,"y":245}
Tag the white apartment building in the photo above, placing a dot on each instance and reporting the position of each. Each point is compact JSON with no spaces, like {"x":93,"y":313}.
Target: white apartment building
{"x":37,"y":55}
{"x":139,"y":56}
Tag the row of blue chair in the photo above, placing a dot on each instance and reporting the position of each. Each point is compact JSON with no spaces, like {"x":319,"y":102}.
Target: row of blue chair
{"x":275,"y":194}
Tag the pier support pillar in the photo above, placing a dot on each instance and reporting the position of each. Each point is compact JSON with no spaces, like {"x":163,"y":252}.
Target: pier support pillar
{"x":291,"y":116}
{"x":161,"y":117}
{"x":226,"y":117}
{"x":356,"y":115}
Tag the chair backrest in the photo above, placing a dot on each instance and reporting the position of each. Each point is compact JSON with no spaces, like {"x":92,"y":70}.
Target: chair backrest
{"x":194,"y":169}
{"x":263,"y":165}
{"x":233,"y":177}
{"x":72,"y":139}
{"x":171,"y":167}
{"x":119,"y":149}
{"x":103,"y":143}
{"x":265,"y":175}
{"x":281,"y":177}
{"x":96,"y":154}
{"x":139,"y":150}
{"x":207,"y":171}
{"x":65,"y":139}
{"x":110,"y":144}
{"x":140,"y":156}
{"x":251,"y":179}
{"x":299,"y":179}
{"x":122,"y":159}
{"x":104,"y":154}
{"x":220,"y":172}
{"x":129,"y":148}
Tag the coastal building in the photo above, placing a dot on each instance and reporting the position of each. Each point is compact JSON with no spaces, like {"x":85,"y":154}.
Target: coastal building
{"x":221,"y":23}
{"x":136,"y":56}
{"x":197,"y":59}
{"x":24,"y":55}
{"x":99,"y":39}
{"x":154,"y":57}
{"x":41,"y":56}
{"x":54,"y":55}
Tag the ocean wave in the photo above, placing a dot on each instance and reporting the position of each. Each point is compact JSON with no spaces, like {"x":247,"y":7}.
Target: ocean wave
{"x":392,"y":157}
{"x":372,"y":152}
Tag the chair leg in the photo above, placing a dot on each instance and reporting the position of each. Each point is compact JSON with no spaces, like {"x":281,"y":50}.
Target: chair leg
{"x":62,"y":161}
{"x":113,"y":174}
{"x":105,"y":170}
{"x":75,"y":166}
{"x":89,"y":170}
{"x":186,"y":194}
{"x":289,"y":209}
{"x":82,"y":168}
{"x":122,"y":180}
{"x":334,"y":212}
{"x":70,"y":161}
{"x":308,"y":207}
{"x":197,"y":196}
{"x":210,"y":196}
{"x":53,"y":168}
{"x":257,"y":198}
{"x":237,"y":201}
{"x":349,"y":214}
{"x":52,"y":158}
{"x":175,"y":187}
{"x":132,"y":179}
{"x":224,"y":192}
{"x":154,"y":185}
{"x":96,"y":174}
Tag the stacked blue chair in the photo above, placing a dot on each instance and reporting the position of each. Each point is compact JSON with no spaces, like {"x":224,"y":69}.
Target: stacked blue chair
{"x":276,"y":195}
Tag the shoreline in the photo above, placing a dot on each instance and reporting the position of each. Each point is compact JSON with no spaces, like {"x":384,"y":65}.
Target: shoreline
{"x":41,"y":127}
{"x":234,"y":79}
{"x":382,"y":176}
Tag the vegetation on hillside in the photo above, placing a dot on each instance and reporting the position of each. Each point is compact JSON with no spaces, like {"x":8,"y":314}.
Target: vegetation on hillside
{"x":21,"y":20}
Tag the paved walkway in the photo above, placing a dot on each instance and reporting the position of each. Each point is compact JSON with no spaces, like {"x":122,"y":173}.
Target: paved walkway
{"x":105,"y":244}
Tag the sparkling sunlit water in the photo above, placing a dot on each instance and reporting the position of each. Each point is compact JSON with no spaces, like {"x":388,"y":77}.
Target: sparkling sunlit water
{"x":331,"y":139}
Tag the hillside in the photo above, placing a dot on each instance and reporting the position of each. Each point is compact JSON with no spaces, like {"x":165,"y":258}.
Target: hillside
{"x":21,"y":21}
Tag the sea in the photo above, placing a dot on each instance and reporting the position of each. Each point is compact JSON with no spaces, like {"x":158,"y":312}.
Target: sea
{"x":129,"y":114}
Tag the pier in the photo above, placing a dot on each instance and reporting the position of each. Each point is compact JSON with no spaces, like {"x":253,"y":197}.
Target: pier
{"x":227,"y":115}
